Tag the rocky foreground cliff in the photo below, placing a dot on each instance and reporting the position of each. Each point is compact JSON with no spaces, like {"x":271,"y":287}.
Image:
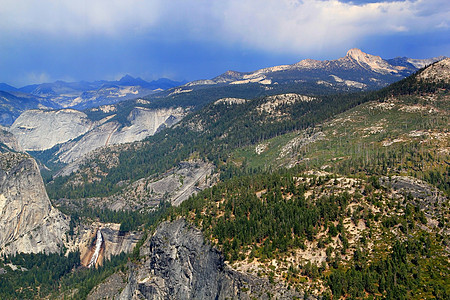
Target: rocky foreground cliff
{"x":28,"y":222}
{"x":177,"y":263}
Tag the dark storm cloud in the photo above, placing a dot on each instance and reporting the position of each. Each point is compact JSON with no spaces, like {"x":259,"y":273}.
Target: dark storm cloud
{"x":104,"y":39}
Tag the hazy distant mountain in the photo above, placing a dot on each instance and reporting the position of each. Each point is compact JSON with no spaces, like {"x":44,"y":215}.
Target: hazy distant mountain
{"x":80,"y":95}
{"x":90,"y":94}
{"x":12,"y":105}
{"x":7,"y":88}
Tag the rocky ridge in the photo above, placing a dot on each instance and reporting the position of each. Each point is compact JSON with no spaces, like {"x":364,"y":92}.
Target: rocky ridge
{"x":174,"y":186}
{"x":438,"y":72}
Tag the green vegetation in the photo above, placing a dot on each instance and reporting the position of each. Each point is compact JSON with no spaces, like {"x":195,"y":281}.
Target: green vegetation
{"x":267,"y":212}
{"x":129,"y":220}
{"x":405,"y":136}
{"x":267,"y":217}
{"x":411,"y":271}
{"x":37,"y":274}
{"x":225,"y":128}
{"x":371,"y":240}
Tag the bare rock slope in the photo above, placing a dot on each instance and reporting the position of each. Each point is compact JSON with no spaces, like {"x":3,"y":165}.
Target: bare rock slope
{"x":78,"y":135}
{"x":28,"y":222}
{"x":39,"y":129}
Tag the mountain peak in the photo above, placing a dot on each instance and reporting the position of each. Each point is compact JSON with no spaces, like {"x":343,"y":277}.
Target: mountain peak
{"x":354,"y":52}
{"x":360,"y":56}
{"x":371,"y":62}
{"x":127,"y":78}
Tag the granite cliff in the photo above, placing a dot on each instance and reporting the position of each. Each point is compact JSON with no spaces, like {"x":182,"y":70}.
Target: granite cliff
{"x":75,"y":134}
{"x":177,"y":263}
{"x":28,"y":222}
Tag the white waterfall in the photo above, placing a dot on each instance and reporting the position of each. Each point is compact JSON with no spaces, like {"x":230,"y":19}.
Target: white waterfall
{"x":98,"y":246}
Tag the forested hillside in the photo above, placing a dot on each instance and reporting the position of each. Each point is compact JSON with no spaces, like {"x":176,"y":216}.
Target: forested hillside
{"x":210,"y":134}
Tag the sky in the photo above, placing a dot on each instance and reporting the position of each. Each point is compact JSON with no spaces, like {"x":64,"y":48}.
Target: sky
{"x":49,"y":40}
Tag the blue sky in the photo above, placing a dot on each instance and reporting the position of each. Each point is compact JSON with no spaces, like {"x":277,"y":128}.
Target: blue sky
{"x":48,"y":40}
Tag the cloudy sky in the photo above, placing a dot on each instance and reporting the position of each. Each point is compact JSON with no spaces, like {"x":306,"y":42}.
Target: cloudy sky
{"x":48,"y":40}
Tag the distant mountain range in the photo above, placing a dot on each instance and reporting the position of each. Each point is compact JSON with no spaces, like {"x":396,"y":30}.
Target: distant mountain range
{"x":79,"y":95}
{"x":355,"y":71}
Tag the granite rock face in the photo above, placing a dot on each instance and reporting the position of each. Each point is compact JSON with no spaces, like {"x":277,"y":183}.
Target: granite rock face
{"x":424,"y":195}
{"x":8,"y":142}
{"x":174,"y":186}
{"x":179,"y":264}
{"x":76,"y":134}
{"x":28,"y":222}
{"x":40,"y":129}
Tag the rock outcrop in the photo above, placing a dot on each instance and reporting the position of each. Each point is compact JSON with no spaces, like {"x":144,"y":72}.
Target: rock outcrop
{"x":41,"y":129}
{"x":78,"y":135}
{"x":179,"y":264}
{"x":174,"y":186}
{"x":438,"y":72}
{"x":9,"y":142}
{"x":28,"y":222}
{"x":422,"y":194}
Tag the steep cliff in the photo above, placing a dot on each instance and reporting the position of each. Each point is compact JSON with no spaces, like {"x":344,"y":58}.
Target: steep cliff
{"x":28,"y":222}
{"x":178,"y":264}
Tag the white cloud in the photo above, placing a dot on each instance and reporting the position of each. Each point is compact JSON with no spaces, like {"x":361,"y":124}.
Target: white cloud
{"x":78,"y":18}
{"x":286,"y":26}
{"x":311,"y":25}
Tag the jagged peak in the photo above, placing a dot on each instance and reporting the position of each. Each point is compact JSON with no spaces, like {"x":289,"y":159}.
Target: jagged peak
{"x":371,"y":62}
{"x":359,"y":55}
